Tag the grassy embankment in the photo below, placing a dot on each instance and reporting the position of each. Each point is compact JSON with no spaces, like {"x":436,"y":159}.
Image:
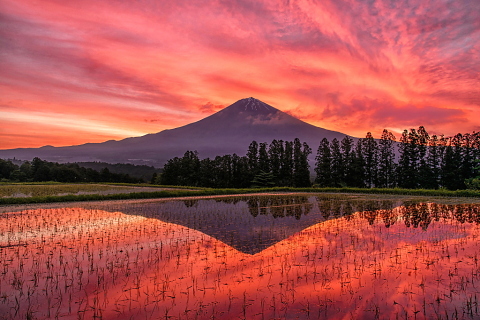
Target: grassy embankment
{"x":58,"y":192}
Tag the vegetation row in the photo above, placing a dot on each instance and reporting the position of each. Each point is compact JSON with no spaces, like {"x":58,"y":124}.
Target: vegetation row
{"x":213,"y":192}
{"x":419,"y":161}
{"x":39,"y":170}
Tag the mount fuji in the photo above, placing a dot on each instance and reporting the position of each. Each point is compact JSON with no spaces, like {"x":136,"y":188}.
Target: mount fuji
{"x":228,"y":131}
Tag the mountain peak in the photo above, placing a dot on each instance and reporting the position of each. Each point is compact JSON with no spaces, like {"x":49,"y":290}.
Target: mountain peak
{"x":252,"y":105}
{"x":228,"y":131}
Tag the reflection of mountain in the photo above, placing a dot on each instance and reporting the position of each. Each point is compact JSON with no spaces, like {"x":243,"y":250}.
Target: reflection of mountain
{"x":251,"y":224}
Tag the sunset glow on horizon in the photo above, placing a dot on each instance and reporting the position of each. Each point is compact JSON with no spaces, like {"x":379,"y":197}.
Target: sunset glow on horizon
{"x":90,"y":71}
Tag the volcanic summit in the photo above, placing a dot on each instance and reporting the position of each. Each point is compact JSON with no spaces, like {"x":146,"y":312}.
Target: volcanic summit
{"x":228,"y":131}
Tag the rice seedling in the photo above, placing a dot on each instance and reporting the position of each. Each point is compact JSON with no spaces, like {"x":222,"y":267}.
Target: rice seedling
{"x":257,"y":257}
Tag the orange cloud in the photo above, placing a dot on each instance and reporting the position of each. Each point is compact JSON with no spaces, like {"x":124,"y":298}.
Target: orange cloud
{"x":139,"y":68}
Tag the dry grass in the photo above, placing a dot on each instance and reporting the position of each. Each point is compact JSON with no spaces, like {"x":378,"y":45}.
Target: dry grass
{"x":44,"y":190}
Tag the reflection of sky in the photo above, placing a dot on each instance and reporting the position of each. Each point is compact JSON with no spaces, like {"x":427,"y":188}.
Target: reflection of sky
{"x":133,"y":265}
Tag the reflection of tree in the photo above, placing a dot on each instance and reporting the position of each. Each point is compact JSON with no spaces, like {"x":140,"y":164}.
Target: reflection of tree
{"x":370,"y":216}
{"x":435,"y":211}
{"x":371,"y":209}
{"x":417,"y":216}
{"x":413,"y":213}
{"x":233,"y":200}
{"x":190,"y":203}
{"x":253,"y":206}
{"x":348,"y":209}
{"x":420,"y":215}
{"x":279,"y":206}
{"x":325,"y":208}
{"x":331,"y":208}
{"x":467,"y":213}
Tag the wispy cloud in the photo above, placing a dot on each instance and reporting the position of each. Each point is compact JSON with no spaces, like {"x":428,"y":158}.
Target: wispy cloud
{"x":144,"y":66}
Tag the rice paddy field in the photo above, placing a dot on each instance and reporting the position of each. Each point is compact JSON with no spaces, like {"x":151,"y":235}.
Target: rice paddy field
{"x":282,"y":256}
{"x":61,"y":189}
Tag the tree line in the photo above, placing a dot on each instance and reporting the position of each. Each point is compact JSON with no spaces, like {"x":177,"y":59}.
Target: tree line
{"x":40,"y":170}
{"x":280,"y":163}
{"x":417,"y":161}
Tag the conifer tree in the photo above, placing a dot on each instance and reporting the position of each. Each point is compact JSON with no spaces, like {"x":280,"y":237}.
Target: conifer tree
{"x":252,"y":155}
{"x":337,"y":165}
{"x":424,"y":171}
{"x":386,"y":160}
{"x":370,"y":157}
{"x":263,"y":180}
{"x":323,"y":164}
{"x":301,"y":174}
{"x":286,"y":171}
{"x":467,"y":163}
{"x":433,"y":163}
{"x":223,"y":171}
{"x":239,"y":172}
{"x":358,"y":166}
{"x":348,"y":156}
{"x":449,"y":169}
{"x":407,"y":169}
{"x":452,"y":161}
{"x":275,"y":154}
{"x":263,"y":160}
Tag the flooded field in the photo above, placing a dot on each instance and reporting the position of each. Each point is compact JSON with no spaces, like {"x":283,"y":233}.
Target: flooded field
{"x":257,"y":257}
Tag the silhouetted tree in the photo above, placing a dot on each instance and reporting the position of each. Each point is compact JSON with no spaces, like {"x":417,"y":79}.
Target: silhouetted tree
{"x":348,"y":157}
{"x":263,"y":160}
{"x":263,"y":180}
{"x":451,"y":167}
{"x":207,"y":173}
{"x":407,"y":169}
{"x":171,"y":172}
{"x":252,"y":155}
{"x":386,"y":160}
{"x":337,"y":165}
{"x":275,"y":154}
{"x":301,"y":175}
{"x":154,"y":178}
{"x":7,"y":167}
{"x":370,"y":157}
{"x":357,"y":178}
{"x":286,"y":170}
{"x":323,"y":164}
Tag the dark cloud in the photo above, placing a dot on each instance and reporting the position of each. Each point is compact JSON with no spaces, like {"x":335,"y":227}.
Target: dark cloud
{"x":210,"y":108}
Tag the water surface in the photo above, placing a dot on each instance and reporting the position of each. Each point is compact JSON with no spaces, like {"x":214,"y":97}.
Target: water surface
{"x":259,"y":257}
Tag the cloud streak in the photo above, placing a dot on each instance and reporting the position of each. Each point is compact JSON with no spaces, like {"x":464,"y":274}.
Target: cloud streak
{"x":144,"y":66}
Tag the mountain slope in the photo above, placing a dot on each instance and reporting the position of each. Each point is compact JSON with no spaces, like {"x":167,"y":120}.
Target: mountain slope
{"x":228,"y":131}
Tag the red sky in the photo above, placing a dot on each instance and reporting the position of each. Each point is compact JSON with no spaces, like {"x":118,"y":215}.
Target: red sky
{"x":88,"y":71}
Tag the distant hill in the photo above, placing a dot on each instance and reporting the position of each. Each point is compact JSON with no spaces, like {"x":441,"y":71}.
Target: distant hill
{"x":228,"y":131}
{"x":137,"y":171}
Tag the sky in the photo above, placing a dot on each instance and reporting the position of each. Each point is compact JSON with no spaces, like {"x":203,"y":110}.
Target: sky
{"x":73,"y":72}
